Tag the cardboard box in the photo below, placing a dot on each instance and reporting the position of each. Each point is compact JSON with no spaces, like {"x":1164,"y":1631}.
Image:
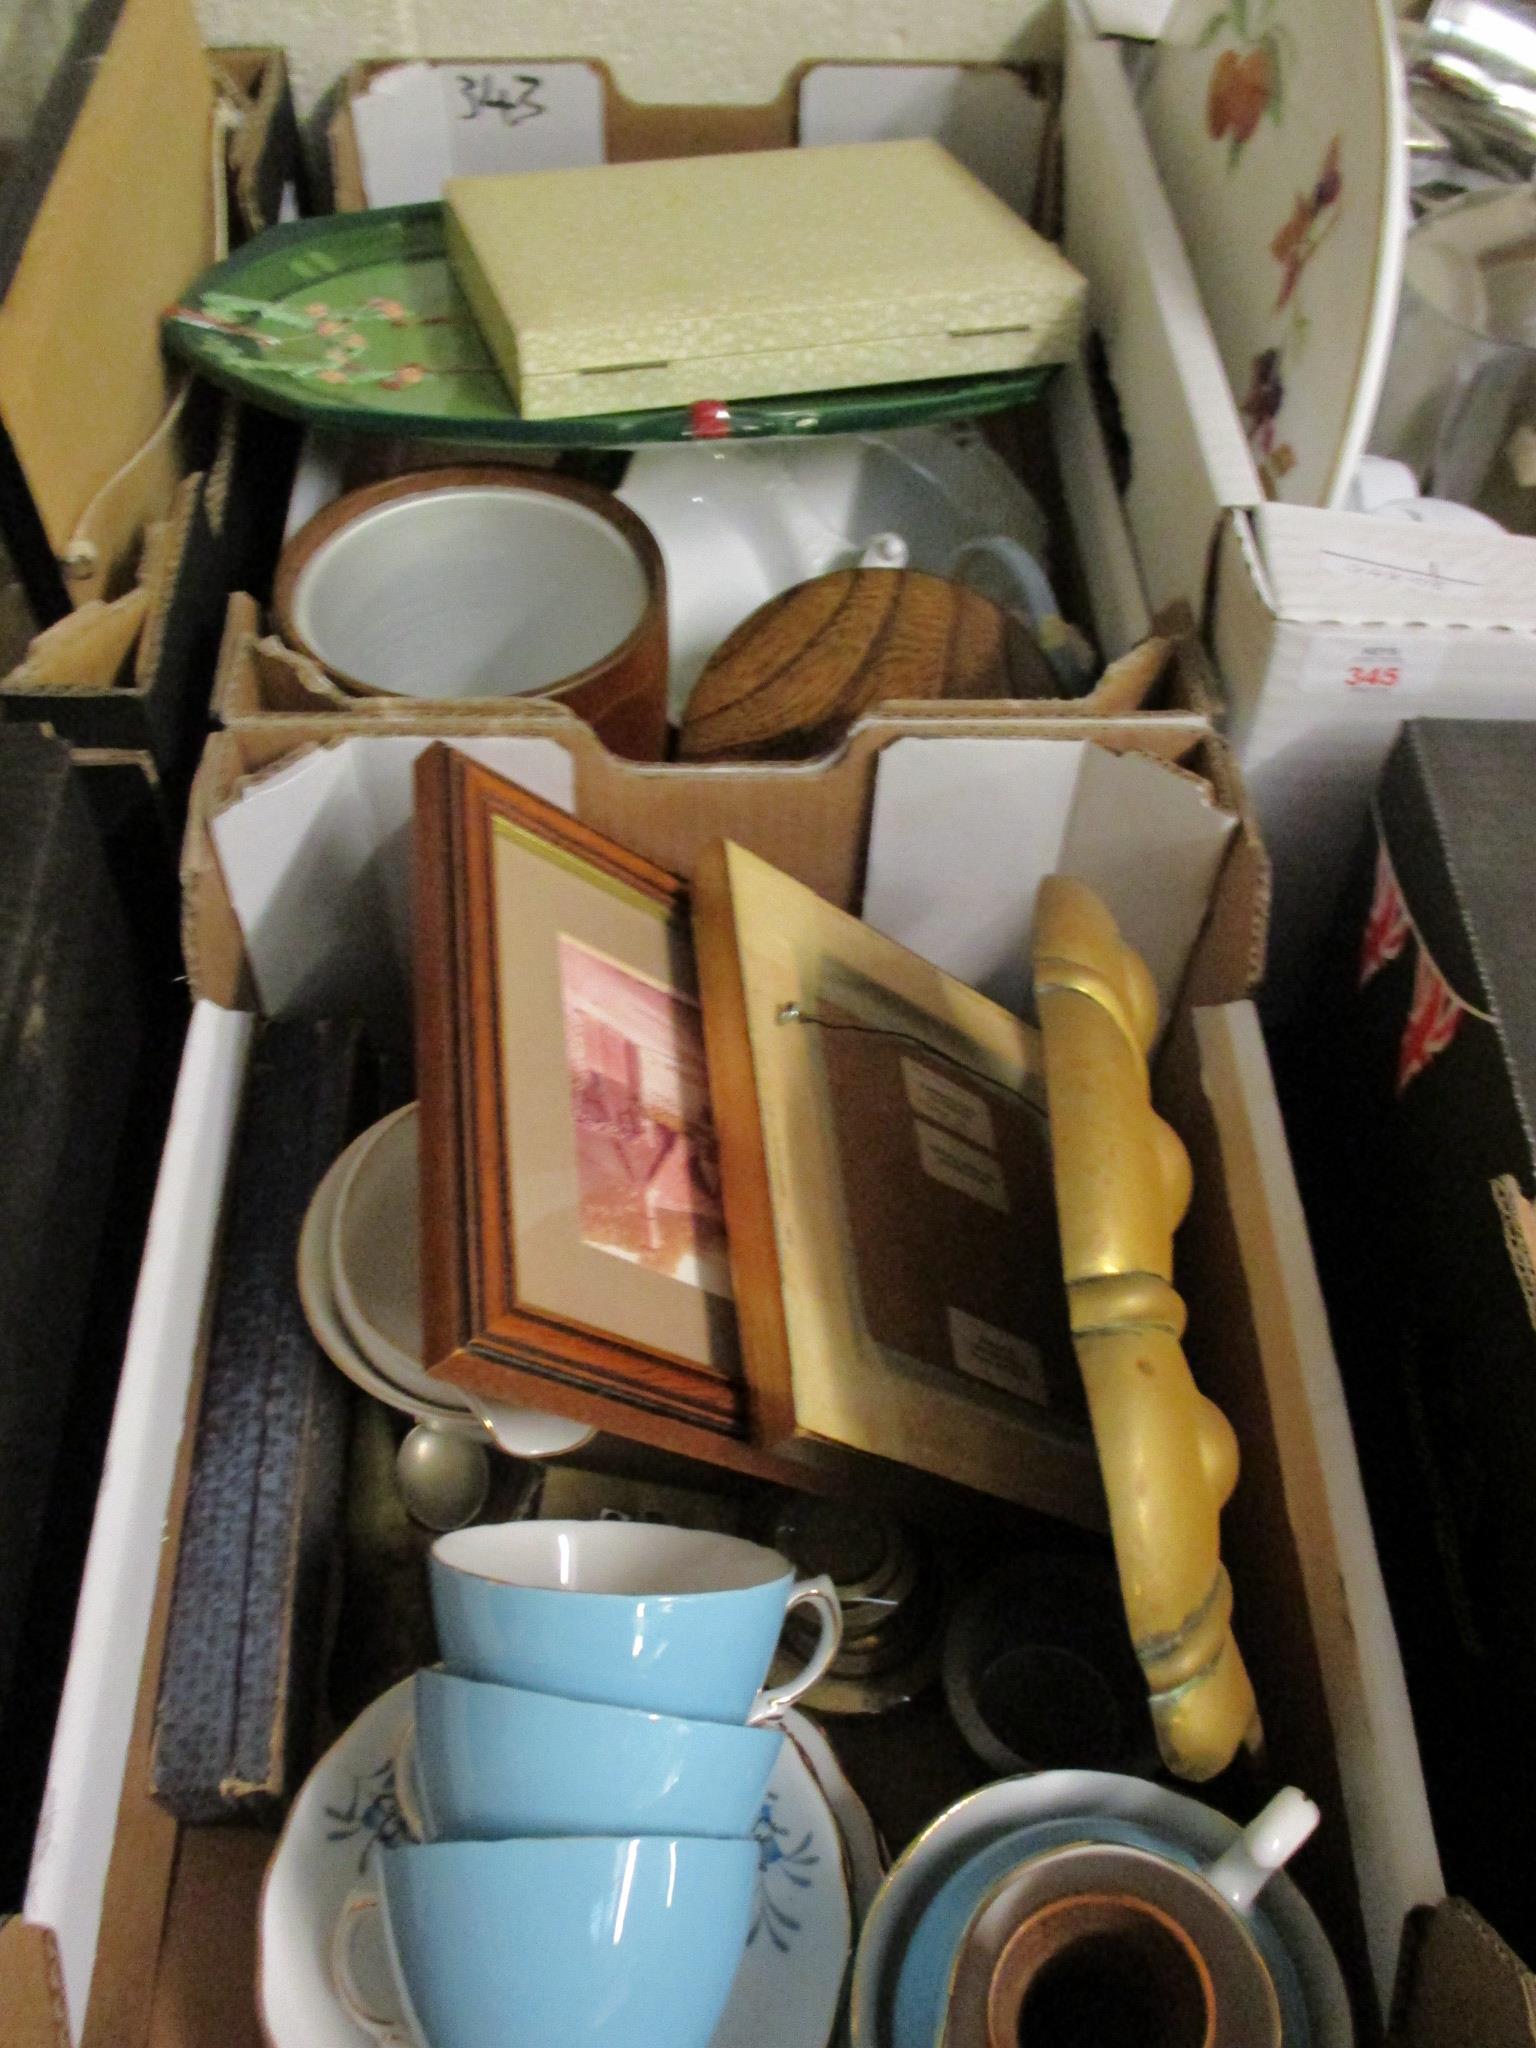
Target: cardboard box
{"x":1414,"y":1119}
{"x":122,"y":1918}
{"x":1067,"y":467}
{"x":260,"y":679}
{"x":130,"y":536}
{"x":402,"y":126}
{"x":133,"y":1931}
{"x":261,"y":683}
{"x":1327,"y":628}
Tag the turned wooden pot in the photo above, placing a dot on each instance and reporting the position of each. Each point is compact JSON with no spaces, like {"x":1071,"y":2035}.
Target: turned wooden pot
{"x":480,"y":585}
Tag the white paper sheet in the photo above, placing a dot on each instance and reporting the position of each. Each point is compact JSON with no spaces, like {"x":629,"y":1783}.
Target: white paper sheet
{"x":418,"y":124}
{"x":964,"y":831}
{"x":77,"y":1827}
{"x":344,"y":813}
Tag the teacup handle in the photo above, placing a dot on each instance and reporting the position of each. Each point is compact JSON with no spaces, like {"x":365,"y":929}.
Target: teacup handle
{"x":820,"y":1593}
{"x":386,"y":2028}
{"x":405,"y":1781}
{"x":1264,"y":1847}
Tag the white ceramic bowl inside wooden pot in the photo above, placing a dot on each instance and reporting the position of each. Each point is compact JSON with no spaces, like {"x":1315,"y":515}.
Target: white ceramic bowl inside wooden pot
{"x":484,"y":584}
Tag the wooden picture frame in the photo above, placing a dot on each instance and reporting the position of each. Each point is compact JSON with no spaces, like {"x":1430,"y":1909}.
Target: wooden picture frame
{"x":783,"y":976}
{"x":527,"y":924}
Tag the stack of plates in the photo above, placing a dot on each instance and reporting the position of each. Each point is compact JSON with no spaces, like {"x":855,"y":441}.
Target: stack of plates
{"x":360,"y":1282}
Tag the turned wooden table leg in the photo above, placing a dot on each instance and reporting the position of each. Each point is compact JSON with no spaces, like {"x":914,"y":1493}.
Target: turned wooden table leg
{"x":1168,"y":1455}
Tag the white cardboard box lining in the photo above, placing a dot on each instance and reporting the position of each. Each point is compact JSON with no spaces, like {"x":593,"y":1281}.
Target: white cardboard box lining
{"x":316,"y":858}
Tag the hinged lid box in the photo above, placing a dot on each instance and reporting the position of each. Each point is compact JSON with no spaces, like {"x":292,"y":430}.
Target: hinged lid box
{"x":740,"y":276}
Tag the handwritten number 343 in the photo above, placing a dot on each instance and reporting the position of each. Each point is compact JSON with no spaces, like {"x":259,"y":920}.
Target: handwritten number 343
{"x":488,"y":94}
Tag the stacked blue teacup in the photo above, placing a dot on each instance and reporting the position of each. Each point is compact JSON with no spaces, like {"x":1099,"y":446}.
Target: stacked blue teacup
{"x":582,"y":1775}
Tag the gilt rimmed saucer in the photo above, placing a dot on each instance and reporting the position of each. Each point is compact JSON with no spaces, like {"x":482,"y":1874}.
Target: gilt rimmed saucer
{"x":968,"y":1829}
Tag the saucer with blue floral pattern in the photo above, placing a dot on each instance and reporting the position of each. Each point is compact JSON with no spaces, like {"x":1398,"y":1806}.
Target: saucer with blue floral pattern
{"x":789,"y":1987}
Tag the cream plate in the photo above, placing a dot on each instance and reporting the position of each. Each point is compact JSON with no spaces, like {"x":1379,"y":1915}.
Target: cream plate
{"x":1278,"y":127}
{"x":375,"y":1252}
{"x":787,"y":1991}
{"x":330,"y":1332}
{"x":999,"y":1809}
{"x":520,"y":1432}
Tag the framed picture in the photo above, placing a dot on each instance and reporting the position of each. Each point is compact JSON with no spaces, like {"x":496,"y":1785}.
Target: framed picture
{"x":573,"y":1224}
{"x":887,"y":1177}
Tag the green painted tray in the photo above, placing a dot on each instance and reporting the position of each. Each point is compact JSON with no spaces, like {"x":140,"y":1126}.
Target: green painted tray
{"x":353,"y":322}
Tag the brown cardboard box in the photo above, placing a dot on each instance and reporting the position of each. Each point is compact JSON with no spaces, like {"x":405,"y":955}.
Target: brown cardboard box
{"x":172,"y":1897}
{"x":631,"y":131}
{"x":261,"y":684}
{"x":170,"y":1894}
{"x":140,"y":527}
{"x":175,"y":1957}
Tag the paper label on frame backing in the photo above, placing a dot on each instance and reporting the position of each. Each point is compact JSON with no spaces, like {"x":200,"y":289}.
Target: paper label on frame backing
{"x":997,"y":1356}
{"x":947,"y":1102}
{"x":967,"y":1169}
{"x":953,"y":1244}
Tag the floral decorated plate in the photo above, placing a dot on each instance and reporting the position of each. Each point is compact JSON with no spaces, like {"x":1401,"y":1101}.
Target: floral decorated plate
{"x":1278,"y":126}
{"x":353,"y":322}
{"x":788,"y":1990}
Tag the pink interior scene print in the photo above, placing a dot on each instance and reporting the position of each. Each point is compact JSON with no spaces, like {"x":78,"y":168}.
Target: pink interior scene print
{"x":647,"y":1159}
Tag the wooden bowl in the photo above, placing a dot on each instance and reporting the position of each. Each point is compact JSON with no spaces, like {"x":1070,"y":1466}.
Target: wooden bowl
{"x":793,"y":677}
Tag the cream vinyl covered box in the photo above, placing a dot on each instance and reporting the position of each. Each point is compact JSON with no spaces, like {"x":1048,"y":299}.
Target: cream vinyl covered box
{"x":739,"y":276}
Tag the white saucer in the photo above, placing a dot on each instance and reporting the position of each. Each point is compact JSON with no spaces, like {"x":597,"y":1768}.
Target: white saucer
{"x":998,"y":1809}
{"x":520,"y":1432}
{"x":864,"y":1856}
{"x":787,"y":1991}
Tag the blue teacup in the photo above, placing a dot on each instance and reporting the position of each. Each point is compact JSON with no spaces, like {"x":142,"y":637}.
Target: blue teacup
{"x":483,"y":1762}
{"x":595,"y":1943}
{"x":626,"y":1614}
